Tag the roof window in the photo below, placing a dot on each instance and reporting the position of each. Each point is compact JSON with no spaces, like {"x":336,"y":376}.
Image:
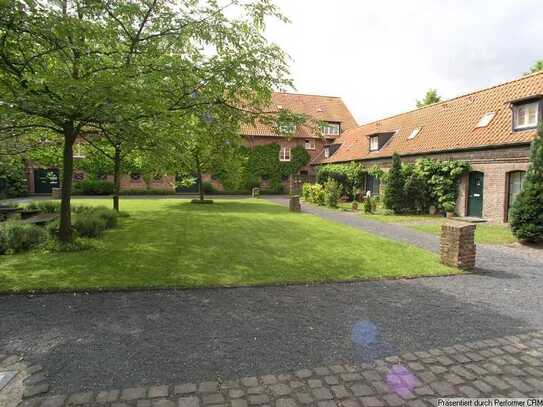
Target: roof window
{"x":486,"y":119}
{"x":414,"y":133}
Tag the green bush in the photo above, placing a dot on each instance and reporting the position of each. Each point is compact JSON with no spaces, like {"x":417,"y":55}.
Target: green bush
{"x":94,"y":187}
{"x":306,"y":191}
{"x":276,"y":188}
{"x":13,"y":182}
{"x":16,"y":237}
{"x":526,"y":215}
{"x":89,"y":225}
{"x":109,"y":216}
{"x":208,"y":187}
{"x":332,"y":193}
{"x":449,"y":206}
{"x":394,"y":192}
{"x":45,"y":206}
{"x":369,"y":205}
{"x":350,"y":176}
{"x":313,"y":193}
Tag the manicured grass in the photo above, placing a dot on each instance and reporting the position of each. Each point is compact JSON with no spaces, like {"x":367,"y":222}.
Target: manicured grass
{"x":484,"y":234}
{"x":173,"y":243}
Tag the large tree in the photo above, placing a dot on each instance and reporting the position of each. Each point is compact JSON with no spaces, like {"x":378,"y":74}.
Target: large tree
{"x":69,"y":65}
{"x":430,"y":98}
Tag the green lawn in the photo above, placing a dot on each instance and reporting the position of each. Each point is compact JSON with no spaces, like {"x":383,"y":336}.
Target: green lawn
{"x":172,"y":243}
{"x":484,"y":234}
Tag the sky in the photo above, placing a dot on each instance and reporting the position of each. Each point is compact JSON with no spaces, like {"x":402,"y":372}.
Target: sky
{"x":381,"y":56}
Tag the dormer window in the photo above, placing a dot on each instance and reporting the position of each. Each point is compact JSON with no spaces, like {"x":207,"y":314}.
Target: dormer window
{"x":330,"y":129}
{"x":414,"y":133}
{"x":374,"y":143}
{"x":486,"y":119}
{"x":526,"y":115}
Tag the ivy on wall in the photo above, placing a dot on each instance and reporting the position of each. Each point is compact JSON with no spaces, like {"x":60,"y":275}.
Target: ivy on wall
{"x":262,"y":163}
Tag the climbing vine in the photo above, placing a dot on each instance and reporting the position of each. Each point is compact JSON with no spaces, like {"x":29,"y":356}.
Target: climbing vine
{"x":262,"y":163}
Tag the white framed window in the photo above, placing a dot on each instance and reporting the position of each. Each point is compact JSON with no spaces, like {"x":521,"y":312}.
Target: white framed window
{"x":486,"y":119}
{"x":309,"y":144}
{"x":330,"y":129}
{"x":526,"y":115}
{"x":327,"y":152}
{"x":284,"y":154}
{"x":374,"y":143}
{"x":415,"y":133}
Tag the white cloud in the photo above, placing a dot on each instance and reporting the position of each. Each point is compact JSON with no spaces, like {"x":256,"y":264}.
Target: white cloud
{"x":380,"y":56}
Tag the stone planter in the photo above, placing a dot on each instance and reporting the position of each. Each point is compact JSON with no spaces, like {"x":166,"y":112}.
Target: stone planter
{"x":450,"y":215}
{"x":56,"y":193}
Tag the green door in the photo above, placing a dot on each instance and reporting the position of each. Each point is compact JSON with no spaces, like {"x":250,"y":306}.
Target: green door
{"x":45,"y":180}
{"x":475,"y":194}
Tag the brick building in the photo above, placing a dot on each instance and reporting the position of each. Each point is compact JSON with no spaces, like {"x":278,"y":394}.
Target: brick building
{"x":327,"y":109}
{"x":330,"y":110}
{"x":491,"y":128}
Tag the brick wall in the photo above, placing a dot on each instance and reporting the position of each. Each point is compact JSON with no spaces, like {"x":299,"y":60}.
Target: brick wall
{"x":494,"y":163}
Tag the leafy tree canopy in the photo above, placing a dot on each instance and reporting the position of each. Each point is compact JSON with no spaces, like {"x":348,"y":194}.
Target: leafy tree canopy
{"x":536,"y":67}
{"x":431,"y":97}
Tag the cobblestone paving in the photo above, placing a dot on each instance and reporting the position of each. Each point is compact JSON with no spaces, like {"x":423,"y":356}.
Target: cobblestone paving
{"x":502,"y":367}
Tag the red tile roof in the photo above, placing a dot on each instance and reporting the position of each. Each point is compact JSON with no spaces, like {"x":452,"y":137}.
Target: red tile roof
{"x":325,"y":108}
{"x":447,"y":125}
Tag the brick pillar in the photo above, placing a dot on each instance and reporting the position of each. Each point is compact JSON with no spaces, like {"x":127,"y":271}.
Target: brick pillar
{"x":457,"y":245}
{"x":294,"y":204}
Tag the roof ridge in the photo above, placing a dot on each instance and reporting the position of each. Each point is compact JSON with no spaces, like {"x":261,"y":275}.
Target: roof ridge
{"x":307,"y":94}
{"x":456,"y":97}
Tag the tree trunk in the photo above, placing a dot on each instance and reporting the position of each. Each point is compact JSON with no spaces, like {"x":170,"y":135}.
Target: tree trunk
{"x":117,"y":178}
{"x":200,"y":187}
{"x":65,"y":229}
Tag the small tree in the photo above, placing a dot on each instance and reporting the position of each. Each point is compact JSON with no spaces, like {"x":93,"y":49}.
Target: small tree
{"x":430,"y":98}
{"x":394,"y":192}
{"x":526,"y":215}
{"x":536,"y":67}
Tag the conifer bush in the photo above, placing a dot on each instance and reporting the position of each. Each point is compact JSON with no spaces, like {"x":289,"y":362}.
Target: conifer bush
{"x":526,"y":216}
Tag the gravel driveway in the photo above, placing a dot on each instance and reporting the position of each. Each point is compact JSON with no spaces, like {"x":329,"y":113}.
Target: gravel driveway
{"x":115,"y":340}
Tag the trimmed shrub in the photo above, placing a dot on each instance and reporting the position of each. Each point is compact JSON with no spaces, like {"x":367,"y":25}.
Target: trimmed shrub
{"x":306,"y":191}
{"x":89,"y":225}
{"x":332,"y":193}
{"x":526,"y":216}
{"x":94,"y":187}
{"x":16,"y":237}
{"x":394,"y":193}
{"x":368,"y":205}
{"x":45,"y":206}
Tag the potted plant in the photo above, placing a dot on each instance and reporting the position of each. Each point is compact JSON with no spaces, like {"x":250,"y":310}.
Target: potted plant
{"x":449,"y":208}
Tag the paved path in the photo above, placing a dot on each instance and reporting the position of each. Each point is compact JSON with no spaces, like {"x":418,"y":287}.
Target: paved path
{"x":501,"y":367}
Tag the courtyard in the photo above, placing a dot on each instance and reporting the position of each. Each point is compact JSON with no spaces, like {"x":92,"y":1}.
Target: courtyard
{"x":233,"y":242}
